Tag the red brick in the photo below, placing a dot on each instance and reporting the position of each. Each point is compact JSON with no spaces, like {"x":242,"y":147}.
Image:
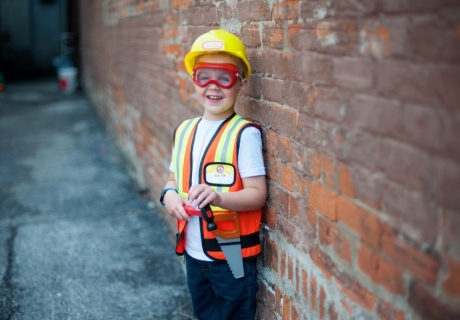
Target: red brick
{"x":323,"y":168}
{"x":250,"y":36}
{"x":407,"y":6}
{"x":420,"y":264}
{"x":181,"y":4}
{"x":400,"y":203}
{"x":272,"y":90}
{"x":353,"y":8}
{"x":255,"y":10}
{"x":286,"y":312}
{"x":294,"y":310}
{"x":311,"y":217}
{"x":375,"y":40}
{"x":345,"y":180}
{"x":366,"y":225}
{"x":287,"y":66}
{"x":273,"y":36}
{"x":381,"y":271}
{"x":430,"y":129}
{"x":370,"y":187}
{"x":278,"y":198}
{"x":294,"y":207}
{"x":299,"y":38}
{"x":297,"y":231}
{"x":376,"y":115}
{"x":270,"y":254}
{"x":195,"y":16}
{"x":324,"y":262}
{"x":279,"y":146}
{"x":444,"y":183}
{"x":298,"y":276}
{"x":450,"y":235}
{"x":283,"y":264}
{"x":354,"y":73}
{"x":269,"y":217}
{"x":290,"y":269}
{"x":323,"y":200}
{"x":428,"y":306}
{"x":299,"y":185}
{"x":267,"y":300}
{"x":404,"y":164}
{"x":434,"y":39}
{"x":270,"y":165}
{"x":451,"y":284}
{"x":283,"y":119}
{"x":329,"y":234}
{"x":278,"y":300}
{"x":211,"y":16}
{"x":336,"y":37}
{"x":414,"y":83}
{"x":330,"y":109}
{"x":316,"y":69}
{"x":446,"y":81}
{"x":286,"y":10}
{"x":387,"y":311}
{"x":359,"y":148}
{"x":313,"y":292}
{"x":322,"y":303}
{"x":295,"y":95}
{"x":300,"y":160}
{"x":265,"y":313}
{"x":333,"y":315}
{"x":347,"y":307}
{"x":305,"y":279}
{"x":254,"y":87}
{"x":309,"y":9}
{"x":252,"y":109}
{"x":351,"y":287}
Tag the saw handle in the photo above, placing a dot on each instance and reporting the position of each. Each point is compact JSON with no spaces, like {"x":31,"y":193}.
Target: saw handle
{"x":205,"y":213}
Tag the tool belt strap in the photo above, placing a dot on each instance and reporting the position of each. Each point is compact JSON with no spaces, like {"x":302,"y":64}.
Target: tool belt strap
{"x":247,"y":241}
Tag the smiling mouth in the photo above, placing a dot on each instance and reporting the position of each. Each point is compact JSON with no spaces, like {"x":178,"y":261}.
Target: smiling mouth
{"x":214,"y":98}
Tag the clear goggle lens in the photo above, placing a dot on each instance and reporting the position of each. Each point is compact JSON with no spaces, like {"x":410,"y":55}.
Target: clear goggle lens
{"x":224,"y":75}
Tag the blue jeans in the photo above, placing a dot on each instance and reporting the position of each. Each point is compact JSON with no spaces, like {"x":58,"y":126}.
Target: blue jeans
{"x":217,"y":295}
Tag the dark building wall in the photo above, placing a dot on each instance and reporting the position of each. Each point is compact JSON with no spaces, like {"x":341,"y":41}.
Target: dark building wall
{"x":31,"y":35}
{"x":359,"y":105}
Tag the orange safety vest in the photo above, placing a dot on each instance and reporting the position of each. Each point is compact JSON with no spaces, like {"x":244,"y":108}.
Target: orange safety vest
{"x":221,"y":155}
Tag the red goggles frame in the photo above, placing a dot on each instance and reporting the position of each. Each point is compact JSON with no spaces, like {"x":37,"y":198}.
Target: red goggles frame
{"x":233,"y":72}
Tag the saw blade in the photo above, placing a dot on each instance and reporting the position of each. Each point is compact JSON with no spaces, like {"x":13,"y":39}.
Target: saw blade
{"x":232,"y":251}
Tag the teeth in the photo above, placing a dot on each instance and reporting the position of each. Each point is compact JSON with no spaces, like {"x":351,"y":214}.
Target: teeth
{"x":214,"y":97}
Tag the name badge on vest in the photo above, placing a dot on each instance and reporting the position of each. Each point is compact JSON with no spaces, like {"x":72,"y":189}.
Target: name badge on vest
{"x":219,"y":174}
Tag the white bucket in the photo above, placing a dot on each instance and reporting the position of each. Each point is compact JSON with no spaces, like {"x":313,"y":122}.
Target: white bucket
{"x":67,"y":79}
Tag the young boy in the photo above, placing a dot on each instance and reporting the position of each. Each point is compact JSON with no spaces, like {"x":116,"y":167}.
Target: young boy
{"x":217,"y":160}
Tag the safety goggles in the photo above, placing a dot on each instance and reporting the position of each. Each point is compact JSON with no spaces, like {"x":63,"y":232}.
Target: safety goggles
{"x":224,"y":75}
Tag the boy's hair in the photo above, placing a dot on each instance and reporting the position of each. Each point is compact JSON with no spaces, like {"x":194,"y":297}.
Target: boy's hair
{"x":238,"y":62}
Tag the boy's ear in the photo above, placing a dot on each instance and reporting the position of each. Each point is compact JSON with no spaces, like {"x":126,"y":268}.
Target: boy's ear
{"x":243,"y":84}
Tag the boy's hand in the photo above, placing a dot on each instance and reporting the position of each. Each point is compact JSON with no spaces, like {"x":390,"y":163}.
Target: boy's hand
{"x":202,"y":194}
{"x":174,"y":204}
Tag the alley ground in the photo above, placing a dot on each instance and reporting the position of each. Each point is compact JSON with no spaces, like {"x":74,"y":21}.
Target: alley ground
{"x":77,"y":240}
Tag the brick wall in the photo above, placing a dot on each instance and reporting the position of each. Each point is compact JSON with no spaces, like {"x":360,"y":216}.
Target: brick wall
{"x":360,"y":108}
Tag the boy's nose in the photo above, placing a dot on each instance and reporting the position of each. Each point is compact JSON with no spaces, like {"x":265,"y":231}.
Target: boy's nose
{"x":214,"y":86}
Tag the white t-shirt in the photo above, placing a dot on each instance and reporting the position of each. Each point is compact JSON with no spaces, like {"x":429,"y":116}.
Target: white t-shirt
{"x":250,"y":164}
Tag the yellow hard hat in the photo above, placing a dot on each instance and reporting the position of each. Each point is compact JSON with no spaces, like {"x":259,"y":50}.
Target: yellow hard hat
{"x":217,"y":41}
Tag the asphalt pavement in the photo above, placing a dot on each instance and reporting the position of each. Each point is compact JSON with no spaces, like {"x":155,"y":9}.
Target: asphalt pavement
{"x":77,"y":239}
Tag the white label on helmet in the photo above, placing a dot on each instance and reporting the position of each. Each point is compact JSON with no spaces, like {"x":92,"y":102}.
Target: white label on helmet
{"x":212,"y":45}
